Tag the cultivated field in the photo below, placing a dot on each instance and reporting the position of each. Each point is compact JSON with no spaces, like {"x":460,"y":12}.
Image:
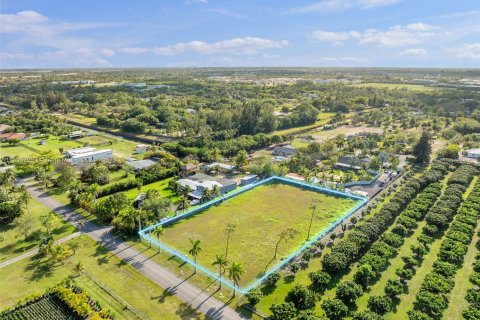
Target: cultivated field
{"x":259,"y":216}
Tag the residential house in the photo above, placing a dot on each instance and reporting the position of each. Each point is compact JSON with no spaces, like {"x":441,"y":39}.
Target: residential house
{"x":12,"y":135}
{"x":138,"y":165}
{"x":199,"y":182}
{"x":87,"y":154}
{"x":248,"y":179}
{"x":348,"y":163}
{"x":473,"y":153}
{"x":220,"y":167}
{"x":284,"y":151}
{"x":76,"y":134}
{"x":141,"y":148}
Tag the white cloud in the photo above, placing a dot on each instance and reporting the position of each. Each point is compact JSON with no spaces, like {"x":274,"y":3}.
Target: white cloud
{"x":34,"y":29}
{"x":247,"y":45}
{"x":133,"y":50}
{"x":413,"y":52}
{"x":468,"y":51}
{"x":334,"y":36}
{"x":15,"y":56}
{"x":395,"y":36}
{"x":228,"y":13}
{"x":327,"y":6}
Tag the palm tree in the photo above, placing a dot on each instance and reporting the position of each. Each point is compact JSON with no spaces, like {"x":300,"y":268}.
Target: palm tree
{"x":140,"y":215}
{"x":313,"y":206}
{"x":228,"y":231}
{"x":194,"y":251}
{"x":183,"y":203}
{"x":206,"y":195}
{"x":93,"y":190}
{"x":159,"y":231}
{"x":49,"y":221}
{"x":235,"y":272}
{"x":216,"y":192}
{"x":221,"y":262}
{"x":24,"y":197}
{"x":284,"y":235}
{"x":79,"y":269}
{"x":7,"y":178}
{"x":126,"y":218}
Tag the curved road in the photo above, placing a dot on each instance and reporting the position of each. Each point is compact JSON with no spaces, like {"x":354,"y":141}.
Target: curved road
{"x":195,"y":297}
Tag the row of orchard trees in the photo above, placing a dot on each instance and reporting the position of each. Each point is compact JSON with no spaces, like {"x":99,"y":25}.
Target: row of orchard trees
{"x":433,"y":297}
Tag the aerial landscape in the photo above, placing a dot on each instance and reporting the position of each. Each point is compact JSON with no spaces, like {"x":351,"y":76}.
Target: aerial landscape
{"x":208,"y":159}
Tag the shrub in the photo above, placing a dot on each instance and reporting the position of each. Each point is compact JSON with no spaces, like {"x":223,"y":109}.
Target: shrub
{"x":320,"y":279}
{"x":363,"y":275}
{"x":283,"y":311}
{"x":334,"y":309}
{"x":348,"y":292}
{"x":254,"y":296}
{"x":301,"y":297}
{"x":380,"y":304}
{"x":366,"y":315}
{"x":272,"y":279}
{"x":393,"y":288}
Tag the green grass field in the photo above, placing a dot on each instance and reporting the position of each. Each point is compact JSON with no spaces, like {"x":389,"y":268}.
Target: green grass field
{"x":14,"y":242}
{"x":259,"y":215}
{"x":161,"y":186}
{"x":33,"y":275}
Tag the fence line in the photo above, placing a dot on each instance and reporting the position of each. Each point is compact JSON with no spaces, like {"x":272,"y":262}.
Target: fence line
{"x":139,"y":314}
{"x":145,"y":233}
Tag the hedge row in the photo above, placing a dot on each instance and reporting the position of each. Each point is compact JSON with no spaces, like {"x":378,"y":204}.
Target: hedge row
{"x":349,"y":249}
{"x":433,"y":297}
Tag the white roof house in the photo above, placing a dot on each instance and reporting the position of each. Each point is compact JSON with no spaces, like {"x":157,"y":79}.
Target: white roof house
{"x":473,"y":153}
{"x":77,"y":151}
{"x":221,"y":166}
{"x":87,"y":154}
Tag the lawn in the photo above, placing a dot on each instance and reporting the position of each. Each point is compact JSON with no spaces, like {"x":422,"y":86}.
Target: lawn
{"x":14,"y":242}
{"x":322,"y":119}
{"x":161,"y":186}
{"x":34,"y":275}
{"x":259,"y":216}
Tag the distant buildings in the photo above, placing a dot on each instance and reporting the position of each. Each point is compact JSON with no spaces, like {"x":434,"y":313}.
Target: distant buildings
{"x":221,"y":167}
{"x":248,"y":180}
{"x":284,"y":151}
{"x":138,"y":165}
{"x":473,"y":153}
{"x":12,"y":135}
{"x":87,"y":154}
{"x":76,"y":134}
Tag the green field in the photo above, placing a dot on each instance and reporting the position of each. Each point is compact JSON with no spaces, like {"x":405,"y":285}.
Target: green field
{"x":14,"y":242}
{"x":161,"y":186}
{"x":33,"y":275}
{"x":259,"y":216}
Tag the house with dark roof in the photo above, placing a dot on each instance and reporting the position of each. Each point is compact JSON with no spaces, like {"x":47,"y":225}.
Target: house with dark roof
{"x":348,"y":163}
{"x":284,"y":151}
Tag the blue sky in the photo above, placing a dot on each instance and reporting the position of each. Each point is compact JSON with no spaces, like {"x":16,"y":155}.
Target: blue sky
{"x":198,"y":33}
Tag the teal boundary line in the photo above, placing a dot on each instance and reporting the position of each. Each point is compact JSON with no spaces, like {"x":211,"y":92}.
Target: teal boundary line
{"x":145,"y":233}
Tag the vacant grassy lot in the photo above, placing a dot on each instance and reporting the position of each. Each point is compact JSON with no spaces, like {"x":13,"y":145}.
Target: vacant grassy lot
{"x":14,"y":242}
{"x":161,"y":186}
{"x":34,"y":275}
{"x":259,"y":216}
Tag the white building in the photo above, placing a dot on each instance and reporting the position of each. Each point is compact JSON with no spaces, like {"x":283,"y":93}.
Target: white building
{"x":87,"y":154}
{"x":473,"y":153}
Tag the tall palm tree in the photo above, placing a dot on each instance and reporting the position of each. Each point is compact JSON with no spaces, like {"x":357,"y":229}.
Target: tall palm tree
{"x":228,"y":231}
{"x":206,"y":195}
{"x":221,"y":262}
{"x":194,"y":251}
{"x":235,"y":272}
{"x":313,"y":207}
{"x":141,"y":214}
{"x":216,"y":192}
{"x":49,"y":221}
{"x":93,"y":190}
{"x":7,"y":178}
{"x":24,"y":197}
{"x":183,"y":203}
{"x":159,"y":231}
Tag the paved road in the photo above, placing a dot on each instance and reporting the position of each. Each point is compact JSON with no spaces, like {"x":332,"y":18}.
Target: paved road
{"x":195,"y":297}
{"x":35,"y":251}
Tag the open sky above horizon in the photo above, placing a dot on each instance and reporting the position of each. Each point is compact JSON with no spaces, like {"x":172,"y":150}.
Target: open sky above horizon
{"x":209,"y":33}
